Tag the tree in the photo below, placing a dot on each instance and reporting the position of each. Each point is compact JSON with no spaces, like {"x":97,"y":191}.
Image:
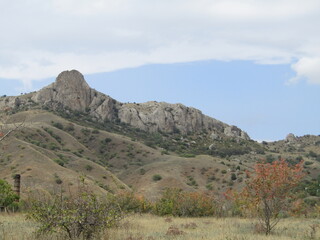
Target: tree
{"x":7,"y":196}
{"x":268,"y":190}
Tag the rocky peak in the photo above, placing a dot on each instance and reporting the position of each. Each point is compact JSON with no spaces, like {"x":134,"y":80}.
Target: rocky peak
{"x":71,"y":91}
{"x":72,"y":81}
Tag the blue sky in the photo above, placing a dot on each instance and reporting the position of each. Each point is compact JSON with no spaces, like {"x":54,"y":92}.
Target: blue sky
{"x":251,"y":63}
{"x":242,"y":93}
{"x":253,"y":97}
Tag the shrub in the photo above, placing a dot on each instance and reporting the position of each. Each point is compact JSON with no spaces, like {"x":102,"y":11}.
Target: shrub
{"x":312,"y":154}
{"x":95,"y":131}
{"x":129,"y":202}
{"x":53,"y":146}
{"x":69,"y":127}
{"x":59,"y":161}
{"x":308,"y":163}
{"x":57,"y":179}
{"x":82,"y":215}
{"x":185,"y":204}
{"x":7,"y":197}
{"x":142,"y":171}
{"x":85,"y":131}
{"x":209,"y":187}
{"x":156,"y":177}
{"x":57,"y":125}
{"x":233,"y":177}
{"x":89,"y":167}
{"x":187,"y":155}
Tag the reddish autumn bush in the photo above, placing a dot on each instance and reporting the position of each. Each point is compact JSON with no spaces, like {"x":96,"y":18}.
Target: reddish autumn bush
{"x":268,"y":191}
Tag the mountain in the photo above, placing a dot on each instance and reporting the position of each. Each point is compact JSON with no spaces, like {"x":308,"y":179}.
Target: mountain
{"x":70,"y":91}
{"x":71,"y":130}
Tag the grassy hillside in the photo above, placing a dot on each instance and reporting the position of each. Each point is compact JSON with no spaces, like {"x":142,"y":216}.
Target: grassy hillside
{"x":54,"y":149}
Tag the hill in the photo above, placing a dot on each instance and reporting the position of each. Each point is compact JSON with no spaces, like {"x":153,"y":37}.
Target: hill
{"x":69,"y":130}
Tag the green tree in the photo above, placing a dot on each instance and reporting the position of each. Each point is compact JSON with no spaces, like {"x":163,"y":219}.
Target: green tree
{"x":7,"y":196}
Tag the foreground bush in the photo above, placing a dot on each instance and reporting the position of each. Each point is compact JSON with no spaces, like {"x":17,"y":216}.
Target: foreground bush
{"x":175,"y":202}
{"x":8,"y":198}
{"x":81,"y":215}
{"x":130,"y":202}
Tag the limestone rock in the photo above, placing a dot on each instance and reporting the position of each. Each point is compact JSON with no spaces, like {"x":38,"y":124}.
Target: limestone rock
{"x":165,"y":117}
{"x":211,"y":146}
{"x":233,"y":131}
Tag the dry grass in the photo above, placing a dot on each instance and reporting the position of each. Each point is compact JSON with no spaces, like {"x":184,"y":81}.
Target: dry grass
{"x":147,"y":227}
{"x":150,"y":227}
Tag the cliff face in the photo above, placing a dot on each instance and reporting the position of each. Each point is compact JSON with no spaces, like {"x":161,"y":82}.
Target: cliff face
{"x":155,"y":116}
{"x":71,"y":90}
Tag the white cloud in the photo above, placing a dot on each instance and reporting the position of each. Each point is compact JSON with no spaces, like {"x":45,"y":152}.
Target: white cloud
{"x":42,"y":38}
{"x":307,"y":68}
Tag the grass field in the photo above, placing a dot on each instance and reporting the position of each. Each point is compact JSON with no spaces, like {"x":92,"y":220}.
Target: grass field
{"x":148,"y":227}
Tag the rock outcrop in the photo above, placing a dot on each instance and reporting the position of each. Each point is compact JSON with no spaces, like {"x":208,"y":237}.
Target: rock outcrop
{"x":169,"y":118}
{"x":290,"y":138}
{"x":71,"y":91}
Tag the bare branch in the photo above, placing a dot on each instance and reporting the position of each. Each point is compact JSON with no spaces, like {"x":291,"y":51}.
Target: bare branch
{"x":6,"y":126}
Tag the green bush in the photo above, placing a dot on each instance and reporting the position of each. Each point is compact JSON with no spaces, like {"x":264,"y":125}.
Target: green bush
{"x":53,"y":146}
{"x":175,"y":202}
{"x":7,"y":197}
{"x":142,"y":171}
{"x":95,"y":131}
{"x":85,"y":131}
{"x":233,"y":177}
{"x":82,"y":215}
{"x":89,"y":167}
{"x":209,"y":187}
{"x":69,"y":127}
{"x":59,"y":161}
{"x":308,"y":163}
{"x":129,"y":202}
{"x":156,"y":177}
{"x":57,"y":179}
{"x":57,"y":125}
{"x":187,"y":155}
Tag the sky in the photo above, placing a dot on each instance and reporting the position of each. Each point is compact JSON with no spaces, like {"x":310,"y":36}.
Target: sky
{"x":250,"y":63}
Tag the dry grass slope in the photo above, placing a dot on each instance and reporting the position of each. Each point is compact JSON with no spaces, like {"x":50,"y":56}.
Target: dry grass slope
{"x":51,"y":148}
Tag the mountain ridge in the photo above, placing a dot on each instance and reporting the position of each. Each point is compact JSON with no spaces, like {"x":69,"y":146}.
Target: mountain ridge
{"x":70,"y":90}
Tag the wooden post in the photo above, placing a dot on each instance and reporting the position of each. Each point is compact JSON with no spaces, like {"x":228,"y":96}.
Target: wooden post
{"x":17,"y":182}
